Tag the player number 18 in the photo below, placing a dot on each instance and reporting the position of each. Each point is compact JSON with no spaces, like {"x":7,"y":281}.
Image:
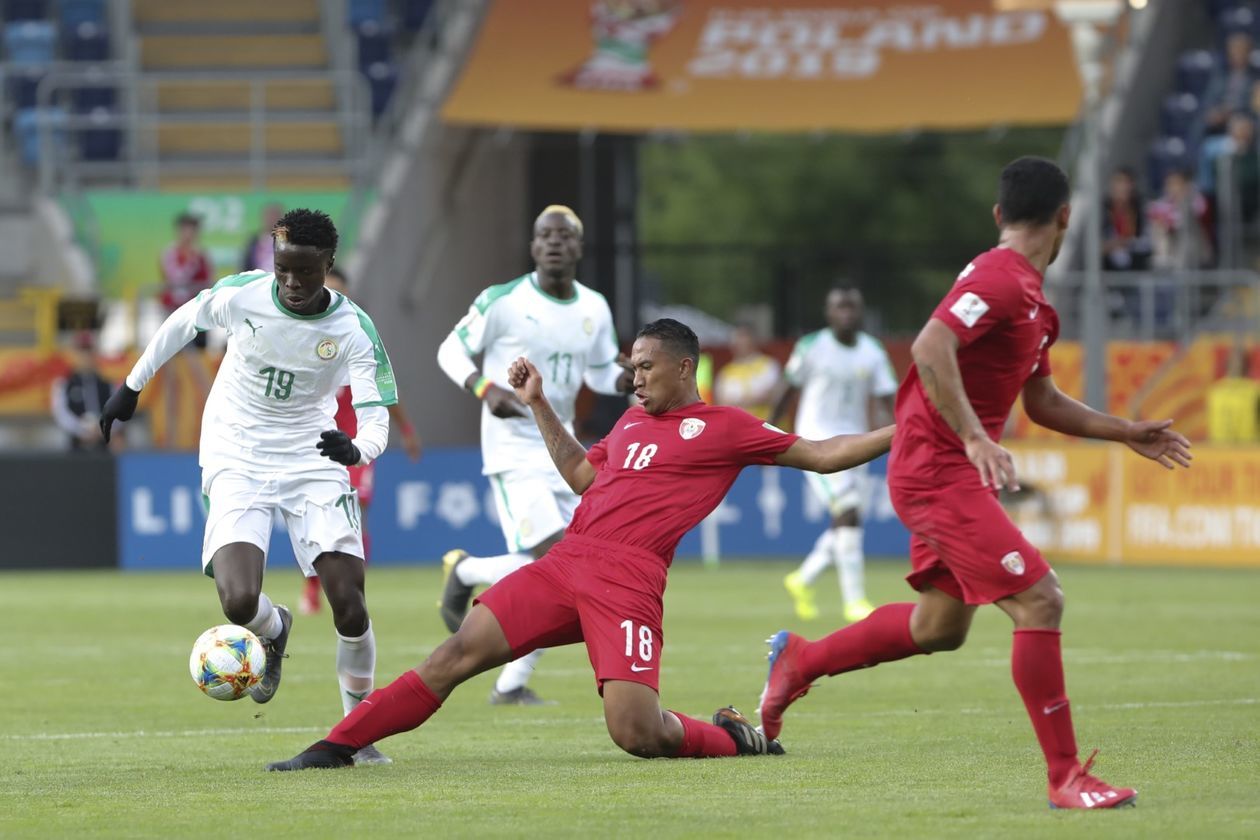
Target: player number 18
{"x":645,"y":640}
{"x":645,"y":457}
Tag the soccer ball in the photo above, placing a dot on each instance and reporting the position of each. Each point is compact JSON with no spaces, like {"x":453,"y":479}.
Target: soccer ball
{"x":226,"y":661}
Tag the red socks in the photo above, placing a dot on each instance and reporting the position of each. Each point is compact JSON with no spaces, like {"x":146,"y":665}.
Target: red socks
{"x":703,"y":740}
{"x":400,"y":706}
{"x":1037,"y":668}
{"x":883,"y":636}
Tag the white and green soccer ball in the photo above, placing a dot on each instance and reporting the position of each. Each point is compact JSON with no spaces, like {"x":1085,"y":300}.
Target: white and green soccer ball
{"x":226,"y":661}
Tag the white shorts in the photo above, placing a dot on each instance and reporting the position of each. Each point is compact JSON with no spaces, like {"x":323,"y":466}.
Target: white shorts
{"x":840,"y":492}
{"x":321,"y":514}
{"x":533,"y":505}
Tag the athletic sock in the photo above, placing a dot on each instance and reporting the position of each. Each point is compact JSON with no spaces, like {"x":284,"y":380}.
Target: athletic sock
{"x":516,"y":673}
{"x":266,"y":623}
{"x":400,"y":706}
{"x":703,"y":740}
{"x":820,"y":557}
{"x":1037,"y":668}
{"x":850,"y":562}
{"x":883,"y":636}
{"x":356,"y":665}
{"x":487,"y":571}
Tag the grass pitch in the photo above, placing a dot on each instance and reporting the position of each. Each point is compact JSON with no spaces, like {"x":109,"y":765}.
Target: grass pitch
{"x":104,"y":734}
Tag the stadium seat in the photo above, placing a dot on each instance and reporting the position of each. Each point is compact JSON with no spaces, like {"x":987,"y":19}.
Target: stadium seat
{"x":414,"y":14}
{"x":26,"y":127}
{"x":15,"y":10}
{"x":1237,"y":18}
{"x":86,"y":42}
{"x":30,"y":42}
{"x":90,"y":97}
{"x":74,"y":12}
{"x":382,"y":79}
{"x":1178,"y":115}
{"x":359,"y":12}
{"x":100,"y":144}
{"x":374,"y":44}
{"x":1194,"y":70}
{"x":23,"y":87}
{"x":1165,"y":155}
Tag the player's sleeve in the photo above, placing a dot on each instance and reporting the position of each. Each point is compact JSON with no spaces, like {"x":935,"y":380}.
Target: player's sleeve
{"x":602,"y":371}
{"x":978,"y":303}
{"x":884,"y":383}
{"x":372,"y":389}
{"x":751,"y":441}
{"x":1043,"y":360}
{"x":797,"y":370}
{"x":210,"y":308}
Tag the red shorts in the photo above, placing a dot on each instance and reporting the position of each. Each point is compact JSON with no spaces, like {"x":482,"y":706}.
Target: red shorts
{"x":363,"y":479}
{"x":604,"y":593}
{"x":964,"y":544}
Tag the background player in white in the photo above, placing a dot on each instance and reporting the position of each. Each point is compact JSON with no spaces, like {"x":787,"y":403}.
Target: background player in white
{"x":269,"y":442}
{"x":566,"y":330}
{"x":847,"y":386}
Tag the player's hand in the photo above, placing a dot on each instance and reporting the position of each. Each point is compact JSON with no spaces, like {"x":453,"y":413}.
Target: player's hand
{"x":1156,"y":440}
{"x":996,"y":466}
{"x":121,"y":405}
{"x":625,"y":382}
{"x":503,"y":403}
{"x":337,"y":445}
{"x":525,"y":378}
{"x":411,"y":445}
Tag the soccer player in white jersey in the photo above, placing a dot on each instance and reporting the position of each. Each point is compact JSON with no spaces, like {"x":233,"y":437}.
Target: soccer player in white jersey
{"x":846,"y":385}
{"x":566,"y":330}
{"x":269,"y":442}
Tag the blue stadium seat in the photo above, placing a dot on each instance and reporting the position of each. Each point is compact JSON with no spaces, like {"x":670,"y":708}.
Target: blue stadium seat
{"x":86,"y":42}
{"x":1178,"y":114}
{"x":1167,"y":154}
{"x":382,"y":79}
{"x":100,"y":144}
{"x":414,"y":13}
{"x":90,"y":98}
{"x":374,"y":44}
{"x":26,"y":127}
{"x":1194,"y":70}
{"x":29,"y":42}
{"x":362,"y":11}
{"x":14,"y":10}
{"x":75,"y":12}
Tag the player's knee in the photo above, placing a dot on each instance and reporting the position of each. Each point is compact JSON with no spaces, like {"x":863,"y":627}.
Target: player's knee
{"x":942,"y":639}
{"x":637,"y":738}
{"x":239,"y":606}
{"x":1044,"y":605}
{"x":350,"y":616}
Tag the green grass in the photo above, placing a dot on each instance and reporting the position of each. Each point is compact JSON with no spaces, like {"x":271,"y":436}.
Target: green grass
{"x":103,"y":733}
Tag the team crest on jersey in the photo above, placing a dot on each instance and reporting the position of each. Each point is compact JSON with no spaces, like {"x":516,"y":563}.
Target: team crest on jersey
{"x":588,"y":326}
{"x":1013,"y":562}
{"x":326,"y":349}
{"x":690,"y":428}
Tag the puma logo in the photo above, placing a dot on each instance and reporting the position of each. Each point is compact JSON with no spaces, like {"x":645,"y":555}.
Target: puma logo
{"x":250,"y":324}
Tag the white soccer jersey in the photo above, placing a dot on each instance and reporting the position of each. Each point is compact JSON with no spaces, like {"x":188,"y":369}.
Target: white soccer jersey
{"x":837,"y":382}
{"x":569,"y":341}
{"x":276,"y":388}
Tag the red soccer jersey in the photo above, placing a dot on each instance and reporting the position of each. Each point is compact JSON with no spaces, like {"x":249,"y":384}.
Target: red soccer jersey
{"x":1005,"y":328}
{"x":659,"y":475}
{"x":347,"y":421}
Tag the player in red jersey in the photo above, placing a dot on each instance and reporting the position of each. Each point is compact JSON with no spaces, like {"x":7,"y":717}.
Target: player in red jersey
{"x":665,"y":466}
{"x":362,"y":476}
{"x":986,"y":343}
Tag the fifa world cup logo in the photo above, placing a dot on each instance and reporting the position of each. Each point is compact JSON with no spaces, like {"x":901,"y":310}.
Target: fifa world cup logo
{"x":623,"y":32}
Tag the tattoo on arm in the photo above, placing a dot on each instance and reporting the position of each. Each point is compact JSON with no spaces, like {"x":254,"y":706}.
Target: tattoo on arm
{"x":561,"y":445}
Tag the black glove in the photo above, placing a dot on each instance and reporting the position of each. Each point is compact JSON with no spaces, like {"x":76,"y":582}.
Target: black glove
{"x":337,"y":445}
{"x":121,"y":405}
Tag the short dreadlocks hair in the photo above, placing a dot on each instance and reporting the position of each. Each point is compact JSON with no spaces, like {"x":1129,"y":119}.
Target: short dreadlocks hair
{"x":307,"y":227}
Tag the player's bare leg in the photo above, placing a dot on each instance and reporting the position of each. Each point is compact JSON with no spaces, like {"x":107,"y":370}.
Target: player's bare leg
{"x":413,"y":698}
{"x":1037,"y":669}
{"x":851,"y":564}
{"x":238,"y":573}
{"x":938,"y":622}
{"x":637,"y":723}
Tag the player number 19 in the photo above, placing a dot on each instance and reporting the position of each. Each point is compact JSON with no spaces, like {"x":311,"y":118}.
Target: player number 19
{"x":645,"y":640}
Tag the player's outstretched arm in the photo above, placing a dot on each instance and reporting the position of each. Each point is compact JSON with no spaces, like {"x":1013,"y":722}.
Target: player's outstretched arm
{"x":568,"y":455}
{"x":1047,"y":406}
{"x":837,"y":453}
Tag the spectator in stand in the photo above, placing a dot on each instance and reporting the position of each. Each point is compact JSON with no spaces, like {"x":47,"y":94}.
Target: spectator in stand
{"x":1180,"y":237}
{"x":1125,"y":244}
{"x":750,"y":378}
{"x":77,"y":397}
{"x":186,"y":267}
{"x":1229,"y":89}
{"x":258,"y":253}
{"x":1233,"y":153}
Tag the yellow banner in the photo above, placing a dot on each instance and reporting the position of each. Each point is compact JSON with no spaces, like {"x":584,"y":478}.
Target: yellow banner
{"x":1103,"y":503}
{"x":793,"y":65}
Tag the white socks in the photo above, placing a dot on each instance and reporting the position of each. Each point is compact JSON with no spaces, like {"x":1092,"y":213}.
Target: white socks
{"x":819,"y":558}
{"x":517,"y":672}
{"x":356,"y":665}
{"x":487,"y":571}
{"x":266,"y":623}
{"x":851,"y":561}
